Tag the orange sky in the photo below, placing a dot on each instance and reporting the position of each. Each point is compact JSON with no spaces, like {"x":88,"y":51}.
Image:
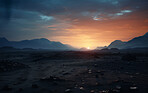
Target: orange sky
{"x":87,"y":32}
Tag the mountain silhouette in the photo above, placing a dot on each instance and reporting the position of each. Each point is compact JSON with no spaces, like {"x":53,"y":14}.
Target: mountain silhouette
{"x":41,"y":43}
{"x":137,"y":42}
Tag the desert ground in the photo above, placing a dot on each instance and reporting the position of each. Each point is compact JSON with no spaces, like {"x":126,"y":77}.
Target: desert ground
{"x":40,"y":71}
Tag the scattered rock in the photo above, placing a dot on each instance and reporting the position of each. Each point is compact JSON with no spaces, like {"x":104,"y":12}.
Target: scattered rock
{"x":92,"y":91}
{"x":68,"y":91}
{"x":89,"y":71}
{"x":81,"y":88}
{"x":115,"y":91}
{"x":104,"y":91}
{"x":133,"y":88}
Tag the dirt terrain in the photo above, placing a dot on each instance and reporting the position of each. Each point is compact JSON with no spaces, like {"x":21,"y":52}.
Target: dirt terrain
{"x":73,"y":72}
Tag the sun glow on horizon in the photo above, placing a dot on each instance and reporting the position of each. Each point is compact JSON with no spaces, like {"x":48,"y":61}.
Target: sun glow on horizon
{"x":88,"y":48}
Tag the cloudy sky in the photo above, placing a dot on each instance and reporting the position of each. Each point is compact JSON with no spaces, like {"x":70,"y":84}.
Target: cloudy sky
{"x":80,"y":23}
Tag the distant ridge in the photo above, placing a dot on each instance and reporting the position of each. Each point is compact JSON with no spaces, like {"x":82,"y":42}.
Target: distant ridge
{"x":137,"y":42}
{"x":41,"y":43}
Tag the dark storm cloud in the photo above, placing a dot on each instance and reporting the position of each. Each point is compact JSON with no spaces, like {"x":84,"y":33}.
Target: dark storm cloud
{"x":71,"y":7}
{"x":34,"y":16}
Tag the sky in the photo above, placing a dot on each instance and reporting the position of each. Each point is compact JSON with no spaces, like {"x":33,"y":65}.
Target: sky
{"x":80,"y":23}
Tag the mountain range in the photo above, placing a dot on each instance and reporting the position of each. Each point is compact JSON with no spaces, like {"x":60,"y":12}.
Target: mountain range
{"x":137,"y":42}
{"x":41,"y":43}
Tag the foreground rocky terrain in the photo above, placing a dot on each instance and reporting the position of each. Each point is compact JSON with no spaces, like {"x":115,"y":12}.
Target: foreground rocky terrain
{"x":73,"y":72}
